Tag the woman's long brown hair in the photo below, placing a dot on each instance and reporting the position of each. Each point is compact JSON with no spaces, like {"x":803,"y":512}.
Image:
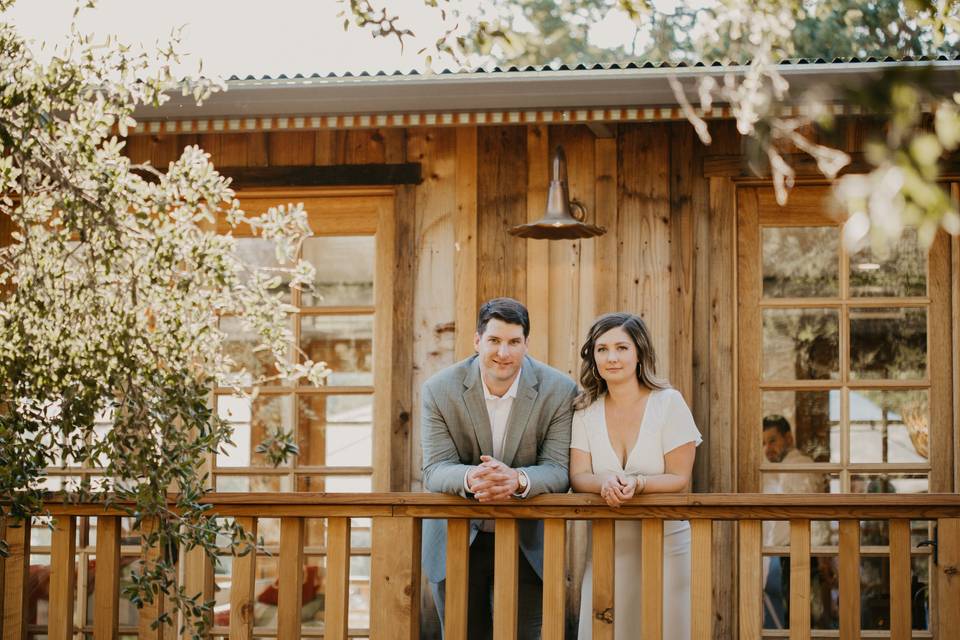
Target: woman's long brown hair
{"x":592,"y":385}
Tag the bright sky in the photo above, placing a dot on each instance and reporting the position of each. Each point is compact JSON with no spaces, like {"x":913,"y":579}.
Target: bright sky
{"x":265,"y":37}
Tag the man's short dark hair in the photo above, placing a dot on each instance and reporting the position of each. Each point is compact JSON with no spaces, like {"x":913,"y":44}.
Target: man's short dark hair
{"x":778,"y":422}
{"x":505,"y":309}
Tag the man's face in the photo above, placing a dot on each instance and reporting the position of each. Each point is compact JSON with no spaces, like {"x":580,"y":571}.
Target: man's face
{"x":501,"y":348}
{"x":775,"y":444}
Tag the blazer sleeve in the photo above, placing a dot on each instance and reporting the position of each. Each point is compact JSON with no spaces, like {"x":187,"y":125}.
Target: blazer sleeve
{"x":550,"y":474}
{"x":443,"y":472}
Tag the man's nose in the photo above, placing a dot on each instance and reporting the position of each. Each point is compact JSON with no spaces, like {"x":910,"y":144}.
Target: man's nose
{"x":503,"y":350}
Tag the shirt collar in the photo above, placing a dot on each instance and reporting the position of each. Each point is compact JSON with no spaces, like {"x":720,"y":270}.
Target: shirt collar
{"x":511,"y":392}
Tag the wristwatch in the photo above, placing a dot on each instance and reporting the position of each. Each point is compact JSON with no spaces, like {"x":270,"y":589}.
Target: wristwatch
{"x":523,"y":483}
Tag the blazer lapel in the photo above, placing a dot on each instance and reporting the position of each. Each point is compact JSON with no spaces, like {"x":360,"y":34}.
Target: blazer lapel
{"x":520,"y":412}
{"x":477,"y":408}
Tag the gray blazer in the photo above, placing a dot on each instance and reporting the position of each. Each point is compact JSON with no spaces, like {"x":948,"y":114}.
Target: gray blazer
{"x":455,"y":432}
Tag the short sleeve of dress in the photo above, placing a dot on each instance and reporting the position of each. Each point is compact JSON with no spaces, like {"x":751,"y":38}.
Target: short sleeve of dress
{"x":578,"y":431}
{"x":678,"y":425}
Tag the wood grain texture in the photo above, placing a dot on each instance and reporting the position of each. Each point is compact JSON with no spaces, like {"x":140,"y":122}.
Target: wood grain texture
{"x":750,"y":580}
{"x":63,"y":578}
{"x":150,"y":611}
{"x":336,"y":607}
{"x":291,"y":148}
{"x":501,"y":204}
{"x":465,"y":242}
{"x":198,"y":577}
{"x":604,"y":577}
{"x":458,"y":579}
{"x":900,"y":600}
{"x":554,"y":578}
{"x":16,"y":573}
{"x":799,"y":579}
{"x":106,"y":605}
{"x":643,"y":229}
{"x":749,"y":337}
{"x":434,"y":293}
{"x":242,"y":580}
{"x":955,"y":313}
{"x":290,"y":592}
{"x":401,"y":365}
{"x":947,"y":575}
{"x":651,"y":605}
{"x":538,"y":251}
{"x":940,"y":325}
{"x":505,"y":566}
{"x":850,"y":580}
{"x":395,"y":578}
{"x":701,"y":580}
{"x":606,"y":263}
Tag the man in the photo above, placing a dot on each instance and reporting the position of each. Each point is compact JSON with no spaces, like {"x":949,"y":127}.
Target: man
{"x":779,"y":448}
{"x":495,"y":426}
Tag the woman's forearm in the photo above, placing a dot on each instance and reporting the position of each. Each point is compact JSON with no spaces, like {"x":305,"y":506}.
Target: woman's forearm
{"x":666,"y":483}
{"x":585,"y":483}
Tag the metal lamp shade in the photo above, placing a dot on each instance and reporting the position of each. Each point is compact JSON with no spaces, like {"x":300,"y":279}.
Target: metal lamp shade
{"x":559,"y":222}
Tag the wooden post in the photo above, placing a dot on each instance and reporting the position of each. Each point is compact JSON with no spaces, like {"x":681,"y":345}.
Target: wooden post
{"x":554,"y":579}
{"x":538,"y":251}
{"x":505,"y":564}
{"x":948,"y":576}
{"x":290,"y":595}
{"x":799,"y":579}
{"x":849,"y":580}
{"x":900,"y":579}
{"x":338,"y":579}
{"x":701,"y":579}
{"x":751,"y":583}
{"x":16,"y":568}
{"x":458,"y":579}
{"x":241,"y":586}
{"x":652,"y":598}
{"x":395,"y":579}
{"x":198,"y":578}
{"x":150,"y":611}
{"x":106,"y":602}
{"x":63,"y":573}
{"x":465,"y":242}
{"x":604,"y":578}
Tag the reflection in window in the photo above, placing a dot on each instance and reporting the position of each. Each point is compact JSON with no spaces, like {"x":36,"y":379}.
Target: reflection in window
{"x":889,"y":426}
{"x":253,"y":421}
{"x":800,"y":262}
{"x":336,"y":430}
{"x":345,"y":343}
{"x":814,"y":421}
{"x":901,"y":273}
{"x":240,"y":346}
{"x":345,"y":266}
{"x":889,"y":343}
{"x":801,"y":344}
{"x":262,"y":253}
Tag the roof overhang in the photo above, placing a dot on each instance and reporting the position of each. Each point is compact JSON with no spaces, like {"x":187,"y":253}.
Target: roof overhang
{"x":501,"y":90}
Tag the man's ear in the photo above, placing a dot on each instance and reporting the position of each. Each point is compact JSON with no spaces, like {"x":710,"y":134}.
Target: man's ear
{"x":476,"y":342}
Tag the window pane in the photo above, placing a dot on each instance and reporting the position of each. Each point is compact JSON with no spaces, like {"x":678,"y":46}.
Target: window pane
{"x":874,"y":593}
{"x":889,"y":426}
{"x":824,"y":591}
{"x":241,"y":346}
{"x":801,"y":344}
{"x":890,"y":483}
{"x":263,"y":253}
{"x":901,"y":273}
{"x":252,"y":483}
{"x":800,"y":262}
{"x":888,"y":344}
{"x":809,"y":430}
{"x":253,"y":421}
{"x":345,"y":267}
{"x":336,"y":430}
{"x":345,"y":343}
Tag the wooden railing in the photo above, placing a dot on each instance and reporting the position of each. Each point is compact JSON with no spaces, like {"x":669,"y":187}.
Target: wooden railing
{"x":395,"y":571}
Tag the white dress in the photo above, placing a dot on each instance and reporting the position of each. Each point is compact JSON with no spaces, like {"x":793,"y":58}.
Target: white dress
{"x":666,"y":424}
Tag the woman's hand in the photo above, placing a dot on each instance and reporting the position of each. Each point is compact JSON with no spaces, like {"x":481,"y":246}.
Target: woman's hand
{"x":612,"y":487}
{"x":629,"y":484}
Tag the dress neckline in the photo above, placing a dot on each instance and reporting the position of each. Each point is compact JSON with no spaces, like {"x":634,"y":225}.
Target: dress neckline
{"x":606,"y":431}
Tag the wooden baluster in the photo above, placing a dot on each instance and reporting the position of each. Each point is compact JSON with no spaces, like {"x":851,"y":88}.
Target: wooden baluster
{"x":150,"y":611}
{"x":16,"y":571}
{"x":338,"y":578}
{"x":948,"y":575}
{"x":458,"y":579}
{"x":290,"y":593}
{"x":701,"y":579}
{"x":799,"y":579}
{"x":63,"y":574}
{"x":241,"y":586}
{"x":106,"y":595}
{"x":505,"y":564}
{"x":900,"y":579}
{"x":849,"y":580}
{"x":554,"y":577}
{"x":395,"y":579}
{"x":198,"y":579}
{"x":751,"y":582}
{"x":652,"y":599}
{"x":604,"y":612}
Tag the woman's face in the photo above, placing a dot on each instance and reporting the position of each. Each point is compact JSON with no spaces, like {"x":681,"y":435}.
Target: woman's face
{"x":616,"y":356}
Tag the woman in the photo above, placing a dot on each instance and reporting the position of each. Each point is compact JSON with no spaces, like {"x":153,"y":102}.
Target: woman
{"x":633,"y":434}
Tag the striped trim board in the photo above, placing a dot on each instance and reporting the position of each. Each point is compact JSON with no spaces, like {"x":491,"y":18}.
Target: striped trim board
{"x":453,"y":119}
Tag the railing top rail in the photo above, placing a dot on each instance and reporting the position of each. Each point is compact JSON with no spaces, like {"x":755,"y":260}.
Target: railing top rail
{"x":565,"y":506}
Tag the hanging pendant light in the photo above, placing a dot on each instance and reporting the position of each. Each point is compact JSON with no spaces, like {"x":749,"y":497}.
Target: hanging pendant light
{"x":563,"y":220}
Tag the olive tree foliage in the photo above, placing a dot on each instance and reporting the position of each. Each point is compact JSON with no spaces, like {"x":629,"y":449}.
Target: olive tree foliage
{"x":922,"y":126}
{"x":110,"y":292}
